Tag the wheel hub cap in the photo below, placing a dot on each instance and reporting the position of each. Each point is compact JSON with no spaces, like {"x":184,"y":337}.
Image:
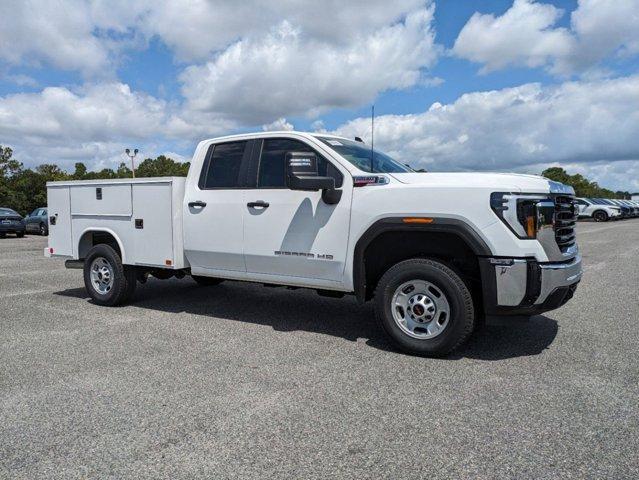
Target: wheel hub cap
{"x":420,"y":309}
{"x":101,"y":275}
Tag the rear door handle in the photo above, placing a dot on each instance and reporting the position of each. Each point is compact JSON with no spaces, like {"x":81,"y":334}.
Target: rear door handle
{"x":258,"y":204}
{"x":197,"y":203}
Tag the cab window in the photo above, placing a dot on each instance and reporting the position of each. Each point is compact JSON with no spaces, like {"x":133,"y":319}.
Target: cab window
{"x":272,"y":165}
{"x":223,"y":166}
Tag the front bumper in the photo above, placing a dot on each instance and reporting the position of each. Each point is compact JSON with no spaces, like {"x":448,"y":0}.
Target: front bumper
{"x":523,"y":286}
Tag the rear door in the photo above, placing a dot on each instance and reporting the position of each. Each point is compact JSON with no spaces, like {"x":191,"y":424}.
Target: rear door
{"x":291,"y":233}
{"x":60,"y":233}
{"x":213,"y":212}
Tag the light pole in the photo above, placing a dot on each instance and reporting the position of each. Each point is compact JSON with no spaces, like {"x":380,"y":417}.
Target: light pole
{"x":132,"y":156}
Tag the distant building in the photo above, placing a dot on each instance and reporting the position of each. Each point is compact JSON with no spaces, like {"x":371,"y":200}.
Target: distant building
{"x":634,"y":196}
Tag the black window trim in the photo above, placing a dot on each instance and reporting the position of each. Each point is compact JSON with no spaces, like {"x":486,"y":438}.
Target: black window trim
{"x":254,"y":168}
{"x":244,"y":166}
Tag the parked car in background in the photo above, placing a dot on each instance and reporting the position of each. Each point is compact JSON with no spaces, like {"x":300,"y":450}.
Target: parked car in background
{"x":11,"y":222}
{"x":37,"y":222}
{"x":626,"y":211}
{"x":634,"y":208}
{"x":599,"y":212}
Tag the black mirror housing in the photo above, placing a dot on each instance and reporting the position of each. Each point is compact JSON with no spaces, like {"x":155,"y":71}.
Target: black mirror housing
{"x":302,"y":174}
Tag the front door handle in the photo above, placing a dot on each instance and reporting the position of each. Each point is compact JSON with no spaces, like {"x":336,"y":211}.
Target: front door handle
{"x":258,"y":204}
{"x":197,"y":203}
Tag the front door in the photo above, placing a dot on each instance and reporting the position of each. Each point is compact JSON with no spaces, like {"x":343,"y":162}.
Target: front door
{"x":294,"y":234}
{"x":213,"y":212}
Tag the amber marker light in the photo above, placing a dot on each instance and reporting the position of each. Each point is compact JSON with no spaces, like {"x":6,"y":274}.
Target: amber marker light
{"x":418,"y":220}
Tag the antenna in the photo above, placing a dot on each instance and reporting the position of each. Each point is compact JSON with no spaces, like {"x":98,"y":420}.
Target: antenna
{"x":372,"y":134}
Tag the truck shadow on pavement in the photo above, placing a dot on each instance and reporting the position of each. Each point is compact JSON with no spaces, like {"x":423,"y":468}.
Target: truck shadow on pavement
{"x":304,"y":310}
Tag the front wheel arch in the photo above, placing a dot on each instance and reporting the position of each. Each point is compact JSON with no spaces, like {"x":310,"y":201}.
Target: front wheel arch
{"x":460,"y":241}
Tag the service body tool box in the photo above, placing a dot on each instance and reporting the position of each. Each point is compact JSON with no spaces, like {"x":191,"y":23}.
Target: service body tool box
{"x":143,"y":215}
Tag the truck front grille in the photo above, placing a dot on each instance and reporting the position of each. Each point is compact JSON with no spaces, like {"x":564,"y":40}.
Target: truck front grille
{"x":565,"y":220}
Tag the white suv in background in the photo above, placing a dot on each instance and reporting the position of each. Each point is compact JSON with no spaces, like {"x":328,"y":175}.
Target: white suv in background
{"x":599,"y":212}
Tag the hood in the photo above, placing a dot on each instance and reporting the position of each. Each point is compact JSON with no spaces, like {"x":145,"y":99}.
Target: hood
{"x":499,"y":182}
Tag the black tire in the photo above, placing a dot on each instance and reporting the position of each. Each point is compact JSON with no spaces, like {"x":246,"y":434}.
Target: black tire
{"x":124,"y":277}
{"x":461,"y":319}
{"x":600,"y":216}
{"x":206,"y":281}
{"x":19,"y":234}
{"x":3,"y":235}
{"x":44,"y":231}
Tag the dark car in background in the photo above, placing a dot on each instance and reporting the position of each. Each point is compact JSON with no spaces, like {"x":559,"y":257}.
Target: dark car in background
{"x":37,"y":221}
{"x":11,"y":222}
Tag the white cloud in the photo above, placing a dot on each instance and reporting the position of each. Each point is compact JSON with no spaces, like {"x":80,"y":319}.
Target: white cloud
{"x":278,"y":125}
{"x":576,"y":123}
{"x":288,"y":73}
{"x":55,"y":33}
{"x":95,"y":123}
{"x":521,"y":36}
{"x":195,"y":29}
{"x":527,"y":35}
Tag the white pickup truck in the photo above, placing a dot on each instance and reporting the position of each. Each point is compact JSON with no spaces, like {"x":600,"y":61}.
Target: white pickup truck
{"x":436,"y":251}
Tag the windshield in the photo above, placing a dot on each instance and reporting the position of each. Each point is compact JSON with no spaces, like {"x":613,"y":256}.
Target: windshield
{"x":359,"y":155}
{"x":7,"y":211}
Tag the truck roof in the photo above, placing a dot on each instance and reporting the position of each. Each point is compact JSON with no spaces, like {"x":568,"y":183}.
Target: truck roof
{"x":275,"y":133}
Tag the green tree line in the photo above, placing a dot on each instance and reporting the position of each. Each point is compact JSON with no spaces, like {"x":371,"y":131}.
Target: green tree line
{"x":24,"y":189}
{"x":583,"y":187}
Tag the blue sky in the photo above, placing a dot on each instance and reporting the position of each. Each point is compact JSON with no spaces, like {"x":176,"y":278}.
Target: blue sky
{"x":481,"y":85}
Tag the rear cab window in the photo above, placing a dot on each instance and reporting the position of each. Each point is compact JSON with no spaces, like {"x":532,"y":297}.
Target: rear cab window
{"x":223,"y":166}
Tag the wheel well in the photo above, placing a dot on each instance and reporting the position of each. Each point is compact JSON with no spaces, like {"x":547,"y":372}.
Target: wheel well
{"x":92,"y":238}
{"x":390,"y":248}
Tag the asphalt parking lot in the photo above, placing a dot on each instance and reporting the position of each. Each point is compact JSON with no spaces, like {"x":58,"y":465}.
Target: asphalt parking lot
{"x":243,"y":381}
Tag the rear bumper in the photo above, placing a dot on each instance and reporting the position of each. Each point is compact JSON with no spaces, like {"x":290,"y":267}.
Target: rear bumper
{"x":11,"y":228}
{"x":522,"y":286}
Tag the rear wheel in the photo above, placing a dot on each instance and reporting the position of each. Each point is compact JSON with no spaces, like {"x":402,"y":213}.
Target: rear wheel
{"x":206,"y":281}
{"x":44,"y":231}
{"x":107,"y":281}
{"x":19,"y":234}
{"x":424,"y":307}
{"x":600,"y":216}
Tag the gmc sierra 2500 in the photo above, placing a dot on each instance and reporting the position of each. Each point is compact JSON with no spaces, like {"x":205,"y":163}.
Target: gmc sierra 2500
{"x":436,"y":251}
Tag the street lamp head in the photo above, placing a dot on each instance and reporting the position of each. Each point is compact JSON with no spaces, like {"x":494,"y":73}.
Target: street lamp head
{"x":127,"y":151}
{"x":135,"y":152}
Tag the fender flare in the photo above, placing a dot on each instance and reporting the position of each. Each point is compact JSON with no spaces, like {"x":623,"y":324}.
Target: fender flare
{"x":396,"y":224}
{"x":105,"y":230}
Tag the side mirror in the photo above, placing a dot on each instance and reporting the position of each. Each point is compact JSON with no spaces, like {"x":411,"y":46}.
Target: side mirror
{"x":302,"y":174}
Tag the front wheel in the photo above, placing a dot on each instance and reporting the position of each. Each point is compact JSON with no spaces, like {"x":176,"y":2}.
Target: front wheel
{"x":44,"y":231}
{"x":107,"y":281}
{"x":600,"y":216}
{"x":19,"y":234}
{"x":424,"y":307}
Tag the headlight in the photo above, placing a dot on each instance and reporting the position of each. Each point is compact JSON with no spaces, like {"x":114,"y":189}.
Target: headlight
{"x":525,"y":214}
